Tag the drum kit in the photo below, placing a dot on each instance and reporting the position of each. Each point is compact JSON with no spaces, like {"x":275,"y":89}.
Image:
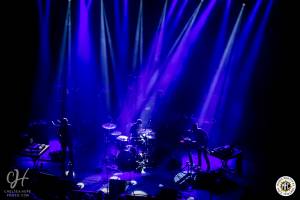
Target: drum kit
{"x":133,"y":152}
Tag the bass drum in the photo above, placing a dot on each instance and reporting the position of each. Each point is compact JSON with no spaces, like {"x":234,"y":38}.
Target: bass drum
{"x":127,"y":160}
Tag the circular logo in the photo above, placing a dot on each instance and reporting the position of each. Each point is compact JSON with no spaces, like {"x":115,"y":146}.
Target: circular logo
{"x":285,"y":186}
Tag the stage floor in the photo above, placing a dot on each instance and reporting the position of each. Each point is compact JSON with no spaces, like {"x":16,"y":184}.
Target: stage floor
{"x":164,"y":179}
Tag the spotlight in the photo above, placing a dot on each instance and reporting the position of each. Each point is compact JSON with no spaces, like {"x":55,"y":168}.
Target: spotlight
{"x":133,"y":182}
{"x":80,"y":185}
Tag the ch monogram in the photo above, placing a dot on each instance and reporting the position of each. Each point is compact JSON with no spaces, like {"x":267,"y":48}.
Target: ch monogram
{"x":13,"y":178}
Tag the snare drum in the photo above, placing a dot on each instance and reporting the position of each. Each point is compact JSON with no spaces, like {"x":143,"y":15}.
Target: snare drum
{"x":122,"y":141}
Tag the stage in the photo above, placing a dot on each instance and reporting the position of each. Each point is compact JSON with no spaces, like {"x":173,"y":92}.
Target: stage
{"x":149,"y":99}
{"x":171,"y":179}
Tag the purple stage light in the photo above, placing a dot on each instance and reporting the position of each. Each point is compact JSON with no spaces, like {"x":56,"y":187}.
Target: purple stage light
{"x":149,"y":83}
{"x":186,"y":29}
{"x":132,"y":106}
{"x":103,"y":56}
{"x":138,"y":38}
{"x":175,"y":64}
{"x":238,"y":101}
{"x":44,"y":33}
{"x":155,"y":45}
{"x":171,"y":10}
{"x":125,"y":37}
{"x":179,"y":15}
{"x":232,"y":102}
{"x":208,"y":110}
{"x":83,"y":38}
{"x":44,"y":60}
{"x":246,"y":31}
{"x":110,"y":44}
{"x":221,"y":38}
{"x":160,"y":37}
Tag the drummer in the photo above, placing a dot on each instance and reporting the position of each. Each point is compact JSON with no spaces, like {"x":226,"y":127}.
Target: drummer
{"x":136,"y":128}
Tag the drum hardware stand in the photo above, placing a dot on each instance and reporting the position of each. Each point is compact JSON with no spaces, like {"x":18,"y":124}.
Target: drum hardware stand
{"x":144,"y":163}
{"x":108,"y":128}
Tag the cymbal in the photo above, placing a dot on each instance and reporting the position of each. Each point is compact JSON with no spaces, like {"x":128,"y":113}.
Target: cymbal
{"x":116,"y":133}
{"x":109,"y":126}
{"x":149,"y":135}
{"x":123,"y":138}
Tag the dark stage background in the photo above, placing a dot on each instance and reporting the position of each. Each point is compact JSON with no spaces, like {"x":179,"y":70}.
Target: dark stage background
{"x":270,"y":128}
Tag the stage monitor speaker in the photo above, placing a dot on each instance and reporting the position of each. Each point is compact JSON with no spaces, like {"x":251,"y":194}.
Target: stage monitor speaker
{"x":49,"y":186}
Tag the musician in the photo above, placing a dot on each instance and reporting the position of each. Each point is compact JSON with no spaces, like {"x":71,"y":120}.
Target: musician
{"x":202,"y":141}
{"x":136,"y":128}
{"x":65,"y":140}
